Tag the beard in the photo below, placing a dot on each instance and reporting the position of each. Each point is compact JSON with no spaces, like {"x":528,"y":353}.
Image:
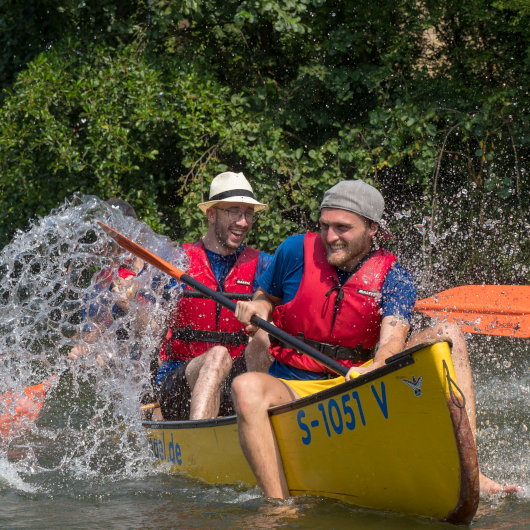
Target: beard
{"x":222,"y":235}
{"x":348,"y":253}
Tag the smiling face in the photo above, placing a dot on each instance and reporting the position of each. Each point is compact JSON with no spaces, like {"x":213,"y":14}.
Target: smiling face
{"x":229,"y":235}
{"x":346,"y":236}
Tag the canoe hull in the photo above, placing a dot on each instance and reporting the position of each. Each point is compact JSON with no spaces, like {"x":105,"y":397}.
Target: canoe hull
{"x":209,"y":451}
{"x":386,"y":440}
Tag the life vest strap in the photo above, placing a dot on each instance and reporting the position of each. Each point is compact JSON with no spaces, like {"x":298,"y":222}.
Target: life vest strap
{"x":355,"y":355}
{"x":220,"y":337}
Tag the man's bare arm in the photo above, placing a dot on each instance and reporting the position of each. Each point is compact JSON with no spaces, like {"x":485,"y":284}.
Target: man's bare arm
{"x":262,"y":305}
{"x":392,"y":340}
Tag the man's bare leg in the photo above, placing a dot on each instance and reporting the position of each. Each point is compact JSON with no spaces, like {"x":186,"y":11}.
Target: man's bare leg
{"x":464,"y":378}
{"x":205,"y":375}
{"x":253,"y":393}
{"x":257,"y":354}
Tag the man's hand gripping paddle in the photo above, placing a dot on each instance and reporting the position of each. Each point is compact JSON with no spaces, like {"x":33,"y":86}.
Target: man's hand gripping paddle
{"x":502,"y":310}
{"x":164,"y":266}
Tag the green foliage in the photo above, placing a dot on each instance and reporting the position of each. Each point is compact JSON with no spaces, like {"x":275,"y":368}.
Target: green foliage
{"x":148,"y":101}
{"x":27,"y":28}
{"x":104,"y":121}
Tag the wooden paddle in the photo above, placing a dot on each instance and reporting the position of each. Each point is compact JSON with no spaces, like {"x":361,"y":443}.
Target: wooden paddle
{"x":502,"y":310}
{"x":164,"y":266}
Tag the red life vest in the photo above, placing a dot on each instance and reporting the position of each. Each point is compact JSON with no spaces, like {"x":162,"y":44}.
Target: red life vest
{"x":125,"y":273}
{"x":200,"y":314}
{"x":105,"y":275}
{"x":358,"y":319}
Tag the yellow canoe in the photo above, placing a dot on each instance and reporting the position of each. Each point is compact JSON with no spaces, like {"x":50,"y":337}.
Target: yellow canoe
{"x":393,"y":439}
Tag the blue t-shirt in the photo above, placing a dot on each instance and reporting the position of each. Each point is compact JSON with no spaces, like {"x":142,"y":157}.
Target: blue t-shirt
{"x":221,"y":265}
{"x":284,"y":275}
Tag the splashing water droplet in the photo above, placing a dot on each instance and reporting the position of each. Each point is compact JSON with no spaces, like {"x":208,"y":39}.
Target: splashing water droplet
{"x":59,"y":289}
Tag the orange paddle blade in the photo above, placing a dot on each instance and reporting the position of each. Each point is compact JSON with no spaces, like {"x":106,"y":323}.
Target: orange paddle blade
{"x":139,"y":251}
{"x":486,"y":309}
{"x":20,"y":409}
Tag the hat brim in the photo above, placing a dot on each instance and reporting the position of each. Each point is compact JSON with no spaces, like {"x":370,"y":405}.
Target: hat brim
{"x":258,"y":206}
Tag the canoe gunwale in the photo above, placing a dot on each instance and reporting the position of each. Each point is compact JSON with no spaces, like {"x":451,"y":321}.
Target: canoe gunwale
{"x":394,"y":363}
{"x":188,"y":424}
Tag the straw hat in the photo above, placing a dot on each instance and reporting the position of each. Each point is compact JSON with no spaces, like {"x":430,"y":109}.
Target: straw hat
{"x":231,"y":187}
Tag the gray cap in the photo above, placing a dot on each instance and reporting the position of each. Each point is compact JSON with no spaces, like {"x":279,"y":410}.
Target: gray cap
{"x":355,"y":196}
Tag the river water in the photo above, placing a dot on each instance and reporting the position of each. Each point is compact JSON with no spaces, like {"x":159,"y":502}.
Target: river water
{"x":80,"y":476}
{"x":75,"y":468}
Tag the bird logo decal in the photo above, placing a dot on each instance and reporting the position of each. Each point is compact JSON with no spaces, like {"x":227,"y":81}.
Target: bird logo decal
{"x":415,"y":384}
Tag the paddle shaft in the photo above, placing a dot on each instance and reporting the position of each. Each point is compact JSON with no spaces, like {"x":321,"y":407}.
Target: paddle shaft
{"x":219,"y":298}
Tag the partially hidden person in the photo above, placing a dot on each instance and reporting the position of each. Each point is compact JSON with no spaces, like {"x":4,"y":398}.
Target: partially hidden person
{"x":341,"y":295}
{"x":206,"y":347}
{"x":100,"y":312}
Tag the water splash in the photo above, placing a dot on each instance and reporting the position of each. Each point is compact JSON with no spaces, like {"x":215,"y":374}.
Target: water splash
{"x":470,"y":242}
{"x":500,"y":369}
{"x":56,"y":293}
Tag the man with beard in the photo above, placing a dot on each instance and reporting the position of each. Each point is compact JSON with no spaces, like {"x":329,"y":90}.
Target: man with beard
{"x":206,"y":347}
{"x":343,"y":296}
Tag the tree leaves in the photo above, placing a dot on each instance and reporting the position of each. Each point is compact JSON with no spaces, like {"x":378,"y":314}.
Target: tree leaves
{"x":297,"y":94}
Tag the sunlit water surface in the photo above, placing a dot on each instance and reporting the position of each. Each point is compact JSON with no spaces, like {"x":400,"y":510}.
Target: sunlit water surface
{"x":75,"y":468}
{"x":54,"y":487}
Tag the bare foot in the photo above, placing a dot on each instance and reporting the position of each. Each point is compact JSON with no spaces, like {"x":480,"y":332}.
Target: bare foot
{"x":490,"y":487}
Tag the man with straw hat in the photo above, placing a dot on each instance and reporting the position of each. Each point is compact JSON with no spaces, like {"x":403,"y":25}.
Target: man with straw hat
{"x":206,"y":347}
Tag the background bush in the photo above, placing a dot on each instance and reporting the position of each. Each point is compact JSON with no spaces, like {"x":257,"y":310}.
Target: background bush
{"x":148,"y":101}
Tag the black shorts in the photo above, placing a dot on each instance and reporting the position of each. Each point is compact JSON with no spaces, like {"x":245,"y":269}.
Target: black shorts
{"x":175,"y":392}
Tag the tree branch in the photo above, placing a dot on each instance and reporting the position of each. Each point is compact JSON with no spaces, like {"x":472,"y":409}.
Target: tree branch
{"x":436,"y":173}
{"x":301,"y":140}
{"x":517,"y":176}
{"x":209,"y":152}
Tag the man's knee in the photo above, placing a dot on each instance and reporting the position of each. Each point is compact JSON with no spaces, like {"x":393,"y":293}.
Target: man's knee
{"x":447,"y":330}
{"x":218,"y":357}
{"x":243,"y":385}
{"x":454,"y":332}
{"x":247,"y":392}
